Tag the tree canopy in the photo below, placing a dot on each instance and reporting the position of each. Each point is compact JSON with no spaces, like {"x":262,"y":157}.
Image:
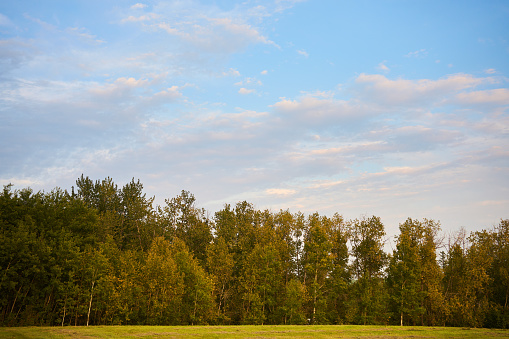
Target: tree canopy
{"x":107,"y":255}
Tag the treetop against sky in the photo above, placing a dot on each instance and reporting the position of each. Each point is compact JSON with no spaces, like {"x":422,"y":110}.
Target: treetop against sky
{"x":387,"y":108}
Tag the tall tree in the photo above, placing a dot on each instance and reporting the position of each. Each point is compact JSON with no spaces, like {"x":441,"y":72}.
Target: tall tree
{"x":456,"y":280}
{"x":339,"y":276}
{"x":369,"y":259}
{"x":414,"y":275}
{"x":220,"y":265}
{"x":499,"y":312}
{"x":259,"y":283}
{"x":317,"y":264}
{"x":138,"y":220}
{"x":163,"y":285}
{"x":293,"y":306}
{"x":197,"y":306}
{"x":182,"y":219}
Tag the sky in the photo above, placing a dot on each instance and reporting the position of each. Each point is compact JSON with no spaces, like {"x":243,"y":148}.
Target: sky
{"x":391,"y":108}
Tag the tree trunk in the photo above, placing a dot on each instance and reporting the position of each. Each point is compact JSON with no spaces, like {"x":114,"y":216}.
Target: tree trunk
{"x":314,"y":295}
{"x":139,"y":234}
{"x":90,"y":303}
{"x":195,"y":301}
{"x":402,"y":296}
{"x":63,"y":318}
{"x":506,"y":296}
{"x":16,"y":298}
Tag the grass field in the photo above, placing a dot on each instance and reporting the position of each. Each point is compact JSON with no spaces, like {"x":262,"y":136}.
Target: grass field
{"x":225,"y":332}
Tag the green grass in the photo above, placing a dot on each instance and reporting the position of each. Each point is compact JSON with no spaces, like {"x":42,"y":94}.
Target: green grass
{"x":225,"y":332}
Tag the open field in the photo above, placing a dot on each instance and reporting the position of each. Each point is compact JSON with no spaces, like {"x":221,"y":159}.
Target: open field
{"x":224,"y":332}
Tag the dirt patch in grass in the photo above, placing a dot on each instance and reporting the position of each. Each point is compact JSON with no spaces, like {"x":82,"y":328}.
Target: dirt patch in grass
{"x":152,"y":334}
{"x":72,"y":333}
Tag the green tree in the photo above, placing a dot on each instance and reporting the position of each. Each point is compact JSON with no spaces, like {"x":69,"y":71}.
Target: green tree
{"x":499,"y":313}
{"x":369,"y":297}
{"x":182,"y":219}
{"x":128,"y":298}
{"x":220,"y":265}
{"x":239,"y":228}
{"x":317,"y":265}
{"x":480,"y":258}
{"x":293,"y":306}
{"x":163,"y":284}
{"x":339,"y":277}
{"x":405,"y":273}
{"x":137,"y":217}
{"x":197,"y":306}
{"x":431,"y":275}
{"x":457,"y":283}
{"x":259,"y":285}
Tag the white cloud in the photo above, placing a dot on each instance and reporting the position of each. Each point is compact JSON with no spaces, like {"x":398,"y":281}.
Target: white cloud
{"x":303,"y":53}
{"x":249,"y":81}
{"x":282,"y":5}
{"x":374,"y":87}
{"x":141,"y":18}
{"x":232,"y":72}
{"x":216,"y":35}
{"x":119,"y":88}
{"x":15,"y":53}
{"x":494,"y":203}
{"x":383,"y":67}
{"x":243,"y":90}
{"x":280,"y":191}
{"x":42,"y":23}
{"x":409,"y":170}
{"x":490,"y":71}
{"x":171,"y":94}
{"x":499,"y":96}
{"x":264,"y":72}
{"x":318,"y":111}
{"x":82,"y":33}
{"x":4,"y":21}
{"x":138,"y":6}
{"x":169,"y":29}
{"x":421,"y":53}
{"x":239,"y":29}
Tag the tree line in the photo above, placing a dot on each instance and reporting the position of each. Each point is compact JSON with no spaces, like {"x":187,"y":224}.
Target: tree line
{"x":105,"y":254}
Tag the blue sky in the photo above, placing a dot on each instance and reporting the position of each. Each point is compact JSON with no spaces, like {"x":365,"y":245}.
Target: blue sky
{"x":390,"y":108}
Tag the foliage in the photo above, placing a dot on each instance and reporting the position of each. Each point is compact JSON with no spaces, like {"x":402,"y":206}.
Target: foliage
{"x":106,"y":255}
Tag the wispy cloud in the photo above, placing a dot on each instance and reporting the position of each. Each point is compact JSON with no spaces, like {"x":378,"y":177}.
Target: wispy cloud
{"x":141,"y":18}
{"x":383,"y":67}
{"x":4,"y":20}
{"x":499,"y":96}
{"x":280,"y":191}
{"x":232,"y":72}
{"x":213,"y":32}
{"x":83,"y":34}
{"x":243,"y":90}
{"x":407,"y":92}
{"x":421,"y":53}
{"x":138,"y":6}
{"x":303,"y":53}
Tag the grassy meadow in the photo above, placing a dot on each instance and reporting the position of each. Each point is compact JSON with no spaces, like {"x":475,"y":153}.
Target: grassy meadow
{"x":225,"y":332}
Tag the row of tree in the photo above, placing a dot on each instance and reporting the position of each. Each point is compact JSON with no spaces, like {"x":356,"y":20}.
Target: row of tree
{"x":107,"y":255}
